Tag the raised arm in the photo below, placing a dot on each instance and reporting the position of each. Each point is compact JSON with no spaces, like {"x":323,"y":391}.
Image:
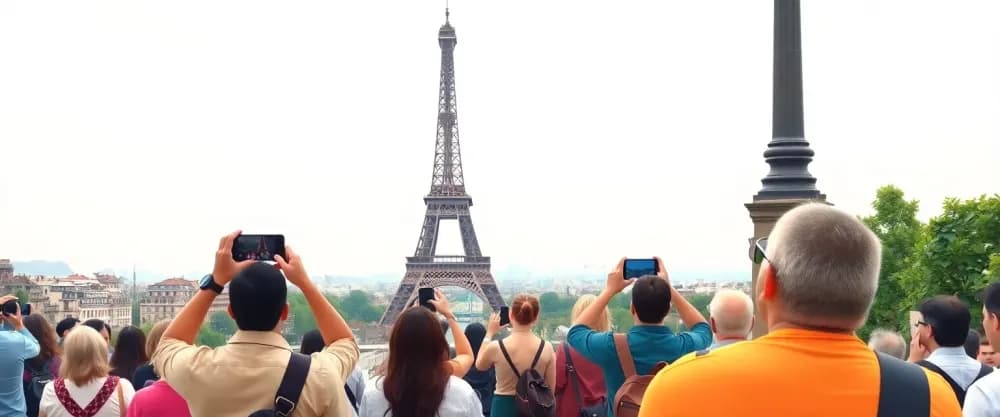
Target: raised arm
{"x":690,"y":316}
{"x":616,"y":283}
{"x":485,"y":359}
{"x":188,"y":322}
{"x":463,"y":349}
{"x":330,"y":323}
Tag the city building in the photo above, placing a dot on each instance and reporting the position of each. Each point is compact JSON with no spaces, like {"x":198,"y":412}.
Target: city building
{"x":165,"y":299}
{"x":6,"y":270}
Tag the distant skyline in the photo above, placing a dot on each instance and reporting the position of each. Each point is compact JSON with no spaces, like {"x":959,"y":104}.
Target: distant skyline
{"x":138,"y":133}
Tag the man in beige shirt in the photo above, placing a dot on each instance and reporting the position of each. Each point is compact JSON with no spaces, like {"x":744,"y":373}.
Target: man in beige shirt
{"x":242,"y":377}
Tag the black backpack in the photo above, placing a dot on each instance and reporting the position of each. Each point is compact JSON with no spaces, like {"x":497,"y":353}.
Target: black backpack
{"x":290,"y":388}
{"x":534,"y":397}
{"x":959,"y":392}
{"x":35,"y":386}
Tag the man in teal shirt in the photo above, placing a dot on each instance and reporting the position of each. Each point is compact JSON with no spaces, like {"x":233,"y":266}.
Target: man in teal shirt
{"x":649,"y":341}
{"x":16,"y":345}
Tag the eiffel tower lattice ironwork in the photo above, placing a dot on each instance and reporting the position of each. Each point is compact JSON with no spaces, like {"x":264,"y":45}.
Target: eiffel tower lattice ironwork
{"x":446,"y":201}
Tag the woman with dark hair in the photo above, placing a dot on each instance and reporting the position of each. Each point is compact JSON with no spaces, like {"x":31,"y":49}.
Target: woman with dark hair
{"x":130,"y":352}
{"x":483,"y":382}
{"x":526,"y":351}
{"x":420,"y":380}
{"x":42,"y":368}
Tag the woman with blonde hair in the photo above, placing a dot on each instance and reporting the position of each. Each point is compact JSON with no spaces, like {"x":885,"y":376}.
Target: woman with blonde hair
{"x":577,"y":379}
{"x":84,"y":387}
{"x":516,"y":354}
{"x":156,"y":398}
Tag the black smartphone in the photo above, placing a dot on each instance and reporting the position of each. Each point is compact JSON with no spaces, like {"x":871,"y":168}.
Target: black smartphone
{"x":504,"y":315}
{"x":635,"y":268}
{"x":426,"y":295}
{"x":26,"y":309}
{"x":10,"y":308}
{"x":258,"y":247}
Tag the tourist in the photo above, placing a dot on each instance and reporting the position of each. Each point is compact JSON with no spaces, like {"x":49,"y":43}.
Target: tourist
{"x":130,"y":353}
{"x":730,"y":316}
{"x":84,"y":382}
{"x":145,"y":375}
{"x":483,"y":382}
{"x":943,"y":331}
{"x":972,"y":344}
{"x":156,"y":398}
{"x":816,"y":284}
{"x":986,"y":354}
{"x":66,"y":325}
{"x":983,"y":397}
{"x":648,"y":341}
{"x":16,"y":346}
{"x":41,"y":369}
{"x":420,"y":380}
{"x":312,"y":342}
{"x":586,"y":381}
{"x":104,"y":329}
{"x":888,"y":342}
{"x":257,"y":352}
{"x":526,"y":351}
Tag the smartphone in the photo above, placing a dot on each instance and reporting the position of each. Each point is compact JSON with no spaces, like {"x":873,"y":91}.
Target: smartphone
{"x":635,"y":268}
{"x":426,"y":295}
{"x":10,"y":308}
{"x":258,"y":247}
{"x":26,"y":309}
{"x":504,"y":315}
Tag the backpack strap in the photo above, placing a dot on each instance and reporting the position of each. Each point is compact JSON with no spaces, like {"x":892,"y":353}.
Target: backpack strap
{"x":509,"y":361}
{"x":351,"y":397}
{"x":538,"y":355}
{"x":291,"y":384}
{"x":624,"y":355}
{"x":572,"y":376}
{"x":903,"y":389}
{"x":959,"y":391}
{"x":983,"y":371}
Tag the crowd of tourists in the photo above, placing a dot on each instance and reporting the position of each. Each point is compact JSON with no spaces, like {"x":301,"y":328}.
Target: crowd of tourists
{"x":818,"y":277}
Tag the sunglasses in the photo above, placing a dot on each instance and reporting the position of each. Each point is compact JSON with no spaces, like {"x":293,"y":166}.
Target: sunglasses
{"x":758,"y":250}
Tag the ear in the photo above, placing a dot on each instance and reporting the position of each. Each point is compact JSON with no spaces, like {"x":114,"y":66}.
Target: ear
{"x":631,"y":309}
{"x":770,"y":290}
{"x":229,"y":309}
{"x":284,"y":312}
{"x":711,"y":322}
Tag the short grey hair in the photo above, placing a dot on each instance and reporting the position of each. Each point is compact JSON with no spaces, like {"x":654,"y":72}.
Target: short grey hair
{"x":888,"y":342}
{"x":733,"y":313}
{"x":827,"y":265}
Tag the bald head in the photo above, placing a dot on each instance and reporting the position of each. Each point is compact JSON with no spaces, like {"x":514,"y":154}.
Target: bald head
{"x":731,"y":312}
{"x":825,"y":264}
{"x":888,"y":342}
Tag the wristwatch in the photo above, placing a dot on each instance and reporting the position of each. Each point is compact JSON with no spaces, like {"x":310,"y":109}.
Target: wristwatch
{"x":208,"y":283}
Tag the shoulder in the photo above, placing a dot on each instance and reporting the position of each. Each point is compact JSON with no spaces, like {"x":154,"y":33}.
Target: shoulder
{"x":987,"y":386}
{"x":460,"y":389}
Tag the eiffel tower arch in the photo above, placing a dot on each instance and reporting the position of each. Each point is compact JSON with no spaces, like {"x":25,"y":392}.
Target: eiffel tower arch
{"x":447,"y":200}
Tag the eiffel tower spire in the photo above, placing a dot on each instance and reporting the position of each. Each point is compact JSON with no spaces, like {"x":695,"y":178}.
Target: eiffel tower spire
{"x":447,"y":179}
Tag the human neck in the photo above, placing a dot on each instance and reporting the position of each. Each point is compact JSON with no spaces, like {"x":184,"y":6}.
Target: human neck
{"x":720,"y":338}
{"x":785,"y":324}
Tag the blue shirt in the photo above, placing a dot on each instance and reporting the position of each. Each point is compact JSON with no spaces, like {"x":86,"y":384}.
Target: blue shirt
{"x":649,"y":345}
{"x":15,"y":347}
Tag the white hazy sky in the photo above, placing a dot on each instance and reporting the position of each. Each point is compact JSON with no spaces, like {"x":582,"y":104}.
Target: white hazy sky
{"x":140,"y":131}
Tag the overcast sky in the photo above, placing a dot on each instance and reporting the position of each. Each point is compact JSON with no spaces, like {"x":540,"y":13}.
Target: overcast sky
{"x":138,"y":132}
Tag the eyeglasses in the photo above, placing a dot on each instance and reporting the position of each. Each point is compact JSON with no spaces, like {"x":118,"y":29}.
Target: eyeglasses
{"x":758,"y":250}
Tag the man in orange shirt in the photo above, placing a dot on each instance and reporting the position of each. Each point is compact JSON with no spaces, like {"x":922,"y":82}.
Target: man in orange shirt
{"x":816,"y":284}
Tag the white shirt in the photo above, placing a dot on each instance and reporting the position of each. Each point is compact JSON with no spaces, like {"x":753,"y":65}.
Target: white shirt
{"x":460,"y":400}
{"x":982,"y":399}
{"x":83,"y":395}
{"x":959,"y":366}
{"x":356,"y":382}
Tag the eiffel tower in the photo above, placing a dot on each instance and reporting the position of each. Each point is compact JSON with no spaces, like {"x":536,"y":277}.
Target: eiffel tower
{"x":446,"y":201}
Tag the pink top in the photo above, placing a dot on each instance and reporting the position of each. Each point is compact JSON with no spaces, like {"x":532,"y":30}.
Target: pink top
{"x":158,"y":400}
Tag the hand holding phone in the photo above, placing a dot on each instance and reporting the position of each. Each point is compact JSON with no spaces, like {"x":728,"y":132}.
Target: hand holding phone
{"x":425,"y":295}
{"x":504,"y":316}
{"x":258,"y":247}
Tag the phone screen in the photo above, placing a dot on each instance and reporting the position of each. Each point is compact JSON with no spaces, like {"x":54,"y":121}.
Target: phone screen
{"x":425,"y":295}
{"x":26,"y":309}
{"x":504,"y":315}
{"x":635,"y":268}
{"x":258,"y":247}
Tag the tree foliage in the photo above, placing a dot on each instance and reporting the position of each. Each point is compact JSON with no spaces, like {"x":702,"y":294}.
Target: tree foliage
{"x":209,"y":337}
{"x":22,"y":296}
{"x":222,"y":323}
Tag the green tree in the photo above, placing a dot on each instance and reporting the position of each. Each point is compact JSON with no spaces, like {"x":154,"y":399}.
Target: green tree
{"x":222,"y":323}
{"x":896,"y":225}
{"x":22,"y":296}
{"x":209,"y":337}
{"x":700,"y":302}
{"x":358,"y":306}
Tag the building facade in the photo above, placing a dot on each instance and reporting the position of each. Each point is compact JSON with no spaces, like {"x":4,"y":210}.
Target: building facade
{"x":165,"y":299}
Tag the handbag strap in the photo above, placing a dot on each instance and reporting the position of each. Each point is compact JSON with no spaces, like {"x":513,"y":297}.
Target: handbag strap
{"x":538,"y":354}
{"x":903,"y":389}
{"x":624,"y":355}
{"x":291,"y":384}
{"x":121,"y":400}
{"x":510,"y":362}
{"x":572,"y":375}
